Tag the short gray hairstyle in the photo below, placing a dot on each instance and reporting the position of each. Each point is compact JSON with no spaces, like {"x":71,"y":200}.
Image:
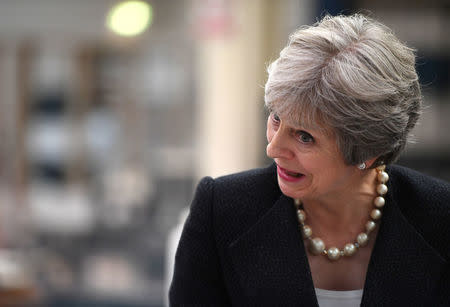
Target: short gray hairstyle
{"x":350,"y":74}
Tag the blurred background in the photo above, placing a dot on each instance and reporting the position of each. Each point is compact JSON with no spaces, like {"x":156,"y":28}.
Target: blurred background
{"x":111,"y":111}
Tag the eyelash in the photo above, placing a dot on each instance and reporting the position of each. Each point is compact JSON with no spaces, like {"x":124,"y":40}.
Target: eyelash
{"x":301,"y":134}
{"x":275,"y":118}
{"x":298,"y":133}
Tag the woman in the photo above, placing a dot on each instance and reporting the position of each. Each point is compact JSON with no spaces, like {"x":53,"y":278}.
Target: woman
{"x":331,"y":222}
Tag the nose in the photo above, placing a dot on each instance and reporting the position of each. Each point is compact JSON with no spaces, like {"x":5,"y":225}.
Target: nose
{"x":278,"y":144}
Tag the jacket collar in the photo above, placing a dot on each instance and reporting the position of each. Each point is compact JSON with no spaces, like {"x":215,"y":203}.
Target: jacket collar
{"x":403,"y":268}
{"x":270,"y":259}
{"x":273,"y":269}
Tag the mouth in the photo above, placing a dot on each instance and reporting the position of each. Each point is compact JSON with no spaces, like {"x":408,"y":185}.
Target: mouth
{"x":289,"y":175}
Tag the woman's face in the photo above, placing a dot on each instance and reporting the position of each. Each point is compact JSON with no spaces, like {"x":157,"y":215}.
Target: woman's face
{"x":309,"y":163}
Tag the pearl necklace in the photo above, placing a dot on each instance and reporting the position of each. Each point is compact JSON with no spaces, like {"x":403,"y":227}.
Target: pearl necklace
{"x":317,"y":246}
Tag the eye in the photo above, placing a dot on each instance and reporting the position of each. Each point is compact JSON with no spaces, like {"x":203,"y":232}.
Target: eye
{"x":275,"y":118}
{"x":304,"y":137}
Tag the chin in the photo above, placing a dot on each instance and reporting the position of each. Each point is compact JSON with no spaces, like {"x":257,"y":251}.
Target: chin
{"x":295,"y":193}
{"x":289,"y":192}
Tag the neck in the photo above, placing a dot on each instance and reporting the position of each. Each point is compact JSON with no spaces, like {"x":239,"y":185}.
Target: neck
{"x":344,"y":212}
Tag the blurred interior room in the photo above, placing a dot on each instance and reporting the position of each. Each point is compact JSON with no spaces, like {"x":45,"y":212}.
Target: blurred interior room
{"x":111,"y":111}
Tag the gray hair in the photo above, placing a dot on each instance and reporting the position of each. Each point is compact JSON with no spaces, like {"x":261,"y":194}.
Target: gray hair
{"x":350,"y":74}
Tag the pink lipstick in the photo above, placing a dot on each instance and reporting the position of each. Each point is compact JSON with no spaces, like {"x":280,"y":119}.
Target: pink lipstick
{"x":288,"y":175}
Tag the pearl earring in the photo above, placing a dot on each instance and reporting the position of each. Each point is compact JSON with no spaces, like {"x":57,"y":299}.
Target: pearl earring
{"x":362,"y":166}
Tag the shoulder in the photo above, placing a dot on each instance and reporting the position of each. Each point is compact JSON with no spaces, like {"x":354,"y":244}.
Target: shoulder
{"x":247,"y":182}
{"x":240,"y":185}
{"x":245,"y":189}
{"x":416,"y":186}
{"x":425,"y":203}
{"x":237,"y":201}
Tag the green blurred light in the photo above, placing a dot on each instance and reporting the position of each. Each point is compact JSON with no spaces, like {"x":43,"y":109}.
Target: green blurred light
{"x":130,"y":18}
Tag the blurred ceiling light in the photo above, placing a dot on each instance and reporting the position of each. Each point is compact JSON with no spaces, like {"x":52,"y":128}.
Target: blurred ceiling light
{"x":129,"y":18}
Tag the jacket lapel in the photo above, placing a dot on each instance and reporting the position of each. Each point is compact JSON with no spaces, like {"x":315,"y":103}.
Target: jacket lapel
{"x":272,"y":266}
{"x":404,"y":269}
{"x":271,"y":262}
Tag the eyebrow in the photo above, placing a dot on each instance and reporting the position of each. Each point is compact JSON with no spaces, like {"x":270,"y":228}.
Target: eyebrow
{"x":295,"y":126}
{"x":300,"y":128}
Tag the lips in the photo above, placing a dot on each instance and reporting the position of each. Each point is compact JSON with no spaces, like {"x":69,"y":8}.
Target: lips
{"x":293,"y":174}
{"x":289,"y":175}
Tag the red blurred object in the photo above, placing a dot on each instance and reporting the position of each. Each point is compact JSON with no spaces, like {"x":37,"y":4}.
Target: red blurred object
{"x":213,"y":19}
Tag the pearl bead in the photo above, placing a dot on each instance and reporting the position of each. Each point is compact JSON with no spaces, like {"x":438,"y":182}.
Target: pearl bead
{"x":381,"y":167}
{"x":362,"y":239}
{"x":375,"y":214}
{"x":349,"y":249}
{"x":306,"y":231}
{"x":379,"y":202}
{"x":317,"y":246}
{"x":301,"y":216}
{"x":383,"y":177}
{"x":333,"y":253}
{"x":370,"y":225}
{"x":382,"y":189}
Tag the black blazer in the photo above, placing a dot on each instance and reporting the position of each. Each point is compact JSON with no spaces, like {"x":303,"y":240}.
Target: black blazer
{"x":241,"y":245}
